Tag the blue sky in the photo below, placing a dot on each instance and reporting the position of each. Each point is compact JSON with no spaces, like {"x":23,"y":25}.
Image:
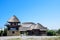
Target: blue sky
{"x":45,"y":12}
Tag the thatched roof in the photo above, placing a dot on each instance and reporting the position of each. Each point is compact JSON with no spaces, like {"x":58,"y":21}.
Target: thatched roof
{"x":27,"y":26}
{"x":28,"y":23}
{"x":13,"y":19}
{"x":40,"y":27}
{"x":23,"y":28}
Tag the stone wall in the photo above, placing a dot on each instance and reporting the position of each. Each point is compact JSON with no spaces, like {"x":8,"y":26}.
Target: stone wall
{"x":10,"y":33}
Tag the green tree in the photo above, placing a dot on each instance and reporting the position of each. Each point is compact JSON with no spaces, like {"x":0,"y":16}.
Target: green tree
{"x":58,"y":31}
{"x":5,"y":32}
{"x":1,"y":32}
{"x":51,"y":33}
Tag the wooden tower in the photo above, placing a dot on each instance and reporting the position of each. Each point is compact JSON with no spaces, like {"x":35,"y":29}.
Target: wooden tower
{"x":13,"y":26}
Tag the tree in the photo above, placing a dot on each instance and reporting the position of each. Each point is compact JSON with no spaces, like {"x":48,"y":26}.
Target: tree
{"x":1,"y":32}
{"x":58,"y":31}
{"x":51,"y":33}
{"x":5,"y":32}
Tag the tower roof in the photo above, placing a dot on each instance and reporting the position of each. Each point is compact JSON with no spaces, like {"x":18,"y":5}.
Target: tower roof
{"x":13,"y":19}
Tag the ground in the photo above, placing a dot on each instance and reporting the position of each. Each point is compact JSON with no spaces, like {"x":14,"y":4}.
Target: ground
{"x":30,"y":38}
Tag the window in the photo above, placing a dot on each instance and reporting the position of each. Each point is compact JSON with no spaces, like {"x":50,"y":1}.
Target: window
{"x":12,"y":29}
{"x":13,"y":32}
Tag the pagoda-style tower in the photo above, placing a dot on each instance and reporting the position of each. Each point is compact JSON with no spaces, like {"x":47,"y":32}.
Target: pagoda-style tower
{"x":13,"y":26}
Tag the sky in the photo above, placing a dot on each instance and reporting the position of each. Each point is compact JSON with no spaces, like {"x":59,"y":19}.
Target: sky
{"x":45,"y":12}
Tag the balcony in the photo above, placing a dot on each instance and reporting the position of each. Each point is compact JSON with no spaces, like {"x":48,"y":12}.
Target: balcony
{"x":13,"y":25}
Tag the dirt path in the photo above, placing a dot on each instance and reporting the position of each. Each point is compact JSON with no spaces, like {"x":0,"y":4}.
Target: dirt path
{"x":27,"y":37}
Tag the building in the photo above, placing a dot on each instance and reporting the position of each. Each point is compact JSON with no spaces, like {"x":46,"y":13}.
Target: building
{"x":15,"y":27}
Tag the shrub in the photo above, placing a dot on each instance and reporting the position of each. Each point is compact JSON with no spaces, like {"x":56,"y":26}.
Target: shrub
{"x":51,"y":33}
